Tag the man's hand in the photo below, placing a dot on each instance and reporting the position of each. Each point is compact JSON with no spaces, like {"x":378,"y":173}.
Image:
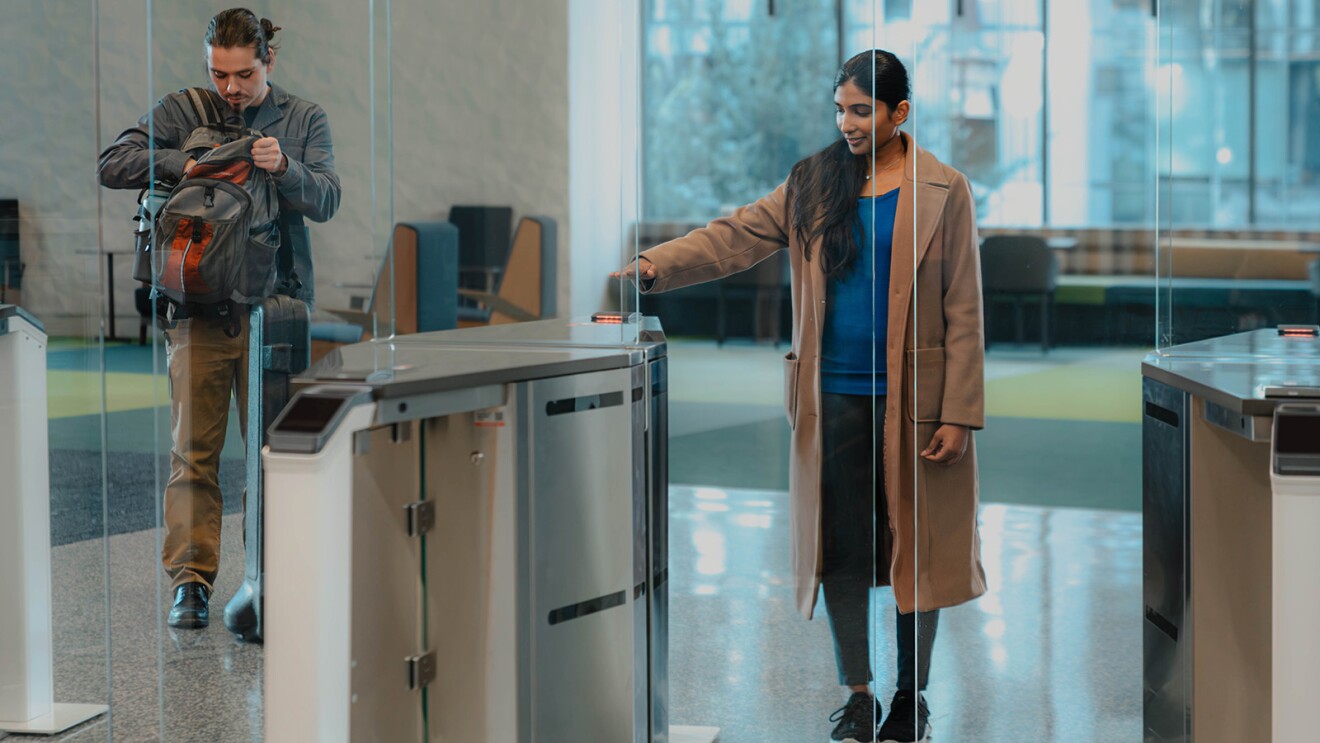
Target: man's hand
{"x":188,"y":165}
{"x":267,"y":156}
{"x":629,"y":271}
{"x":948,"y":445}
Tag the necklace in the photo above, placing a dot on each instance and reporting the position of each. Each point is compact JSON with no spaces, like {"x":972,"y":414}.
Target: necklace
{"x":887,"y":166}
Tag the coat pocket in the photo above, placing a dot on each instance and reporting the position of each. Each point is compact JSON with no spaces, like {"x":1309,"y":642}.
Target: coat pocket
{"x":926,"y":367}
{"x":791,"y":387}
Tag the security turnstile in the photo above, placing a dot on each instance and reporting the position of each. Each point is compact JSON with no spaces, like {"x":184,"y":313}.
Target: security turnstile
{"x":1210,"y":547}
{"x":26,"y":679}
{"x":467,"y":539}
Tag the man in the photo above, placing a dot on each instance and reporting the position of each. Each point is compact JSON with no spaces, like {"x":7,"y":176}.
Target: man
{"x":205,"y":362}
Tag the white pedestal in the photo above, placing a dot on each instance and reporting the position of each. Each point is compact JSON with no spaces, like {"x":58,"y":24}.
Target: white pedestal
{"x":26,"y":676}
{"x":60,"y":718}
{"x":693,"y":734}
{"x":1296,"y":621}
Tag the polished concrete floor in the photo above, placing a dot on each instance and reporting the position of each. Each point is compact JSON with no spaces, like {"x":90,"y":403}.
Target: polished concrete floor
{"x":1052,"y":653}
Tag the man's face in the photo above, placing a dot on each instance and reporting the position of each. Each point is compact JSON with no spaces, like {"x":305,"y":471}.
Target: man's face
{"x":238,"y":76}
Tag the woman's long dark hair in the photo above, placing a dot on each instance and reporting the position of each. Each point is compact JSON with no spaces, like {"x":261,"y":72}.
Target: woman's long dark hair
{"x":823,"y":187}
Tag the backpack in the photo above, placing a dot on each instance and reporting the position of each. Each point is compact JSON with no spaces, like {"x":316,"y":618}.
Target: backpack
{"x":212,"y":238}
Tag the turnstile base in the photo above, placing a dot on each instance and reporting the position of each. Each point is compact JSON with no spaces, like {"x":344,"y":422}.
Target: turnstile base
{"x":693,"y":734}
{"x":61,"y":718}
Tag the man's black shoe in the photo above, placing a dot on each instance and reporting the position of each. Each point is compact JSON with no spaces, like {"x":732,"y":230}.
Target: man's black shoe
{"x":856,"y":719}
{"x":908,"y":721}
{"x":190,"y":607}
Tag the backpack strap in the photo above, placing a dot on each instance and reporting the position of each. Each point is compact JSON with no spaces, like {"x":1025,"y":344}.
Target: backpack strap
{"x":205,"y":106}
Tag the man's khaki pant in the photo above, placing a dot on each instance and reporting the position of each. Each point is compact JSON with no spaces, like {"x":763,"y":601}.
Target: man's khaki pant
{"x":205,"y":366}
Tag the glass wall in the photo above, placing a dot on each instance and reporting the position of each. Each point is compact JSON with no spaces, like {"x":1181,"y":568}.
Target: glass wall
{"x":1236,"y":250}
{"x":187,"y":558}
{"x":60,"y":368}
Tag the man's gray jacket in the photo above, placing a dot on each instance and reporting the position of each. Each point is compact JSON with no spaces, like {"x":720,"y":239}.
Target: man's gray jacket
{"x":309,"y":188}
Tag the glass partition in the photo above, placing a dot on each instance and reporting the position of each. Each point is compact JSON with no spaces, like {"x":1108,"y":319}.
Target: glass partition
{"x":282,"y":127}
{"x":1238,"y":231}
{"x":1026,"y":349}
{"x":62,"y":361}
{"x":733,"y":96}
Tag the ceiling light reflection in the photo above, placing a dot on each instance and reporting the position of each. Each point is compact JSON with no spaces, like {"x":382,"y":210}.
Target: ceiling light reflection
{"x":710,"y":494}
{"x":711,"y":552}
{"x":753,"y":520}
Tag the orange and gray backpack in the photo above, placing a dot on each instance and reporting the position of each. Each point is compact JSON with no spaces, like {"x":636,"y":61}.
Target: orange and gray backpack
{"x":212,"y":240}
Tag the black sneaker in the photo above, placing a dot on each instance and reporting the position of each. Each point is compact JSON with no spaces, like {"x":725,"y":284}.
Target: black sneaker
{"x":856,"y":719}
{"x":907,"y":722}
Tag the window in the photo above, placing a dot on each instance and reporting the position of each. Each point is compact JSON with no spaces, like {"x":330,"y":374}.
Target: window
{"x":1047,"y":107}
{"x":733,"y":96}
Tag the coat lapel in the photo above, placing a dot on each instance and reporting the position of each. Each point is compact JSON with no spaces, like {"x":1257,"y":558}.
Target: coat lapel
{"x":272,"y":109}
{"x":921,"y":198}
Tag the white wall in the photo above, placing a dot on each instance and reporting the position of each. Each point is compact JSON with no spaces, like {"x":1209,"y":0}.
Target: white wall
{"x":480,"y":116}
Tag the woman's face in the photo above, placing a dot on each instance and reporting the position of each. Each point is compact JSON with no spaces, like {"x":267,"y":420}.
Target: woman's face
{"x":861,"y":117}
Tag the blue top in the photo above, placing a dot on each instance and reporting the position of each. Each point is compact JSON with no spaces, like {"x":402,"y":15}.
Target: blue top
{"x":857,"y":307}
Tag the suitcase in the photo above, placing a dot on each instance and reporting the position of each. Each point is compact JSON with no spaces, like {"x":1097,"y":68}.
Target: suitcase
{"x":279,"y":347}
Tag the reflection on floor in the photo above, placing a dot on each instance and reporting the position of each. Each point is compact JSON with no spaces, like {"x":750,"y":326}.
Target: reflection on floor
{"x":168,"y":685}
{"x":1052,"y":653}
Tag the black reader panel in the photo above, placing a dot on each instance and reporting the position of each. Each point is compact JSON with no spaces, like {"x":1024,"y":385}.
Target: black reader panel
{"x":311,"y":417}
{"x":1296,"y":439}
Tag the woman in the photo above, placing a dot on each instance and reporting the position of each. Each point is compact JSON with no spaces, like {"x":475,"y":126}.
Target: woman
{"x":883,"y":442}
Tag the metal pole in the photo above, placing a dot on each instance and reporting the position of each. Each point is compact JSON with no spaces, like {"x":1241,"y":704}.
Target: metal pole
{"x":840,"y":30}
{"x":1045,"y":112}
{"x":1251,"y":116}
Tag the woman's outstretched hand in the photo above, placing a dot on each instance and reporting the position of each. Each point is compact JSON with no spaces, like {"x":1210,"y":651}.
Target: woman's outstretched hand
{"x":948,"y":445}
{"x":630,"y":271}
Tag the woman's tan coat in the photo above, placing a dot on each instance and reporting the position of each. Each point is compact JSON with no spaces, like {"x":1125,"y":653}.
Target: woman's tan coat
{"x":934,"y":361}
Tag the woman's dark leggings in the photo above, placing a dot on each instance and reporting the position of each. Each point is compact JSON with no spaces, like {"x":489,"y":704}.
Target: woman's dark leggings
{"x":854,"y":520}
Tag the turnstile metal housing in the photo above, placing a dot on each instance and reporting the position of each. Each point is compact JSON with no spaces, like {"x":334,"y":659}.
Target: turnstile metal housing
{"x":1207,"y":547}
{"x":487,"y":511}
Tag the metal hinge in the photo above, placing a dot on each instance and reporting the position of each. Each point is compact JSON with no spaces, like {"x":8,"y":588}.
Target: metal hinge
{"x":421,"y":670}
{"x":421,"y":517}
